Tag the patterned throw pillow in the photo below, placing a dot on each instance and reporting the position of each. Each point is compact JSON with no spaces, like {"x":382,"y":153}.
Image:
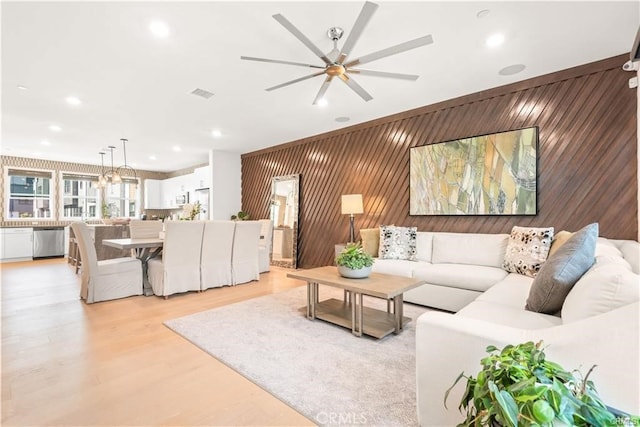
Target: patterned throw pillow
{"x":527,"y":249}
{"x":398,"y":242}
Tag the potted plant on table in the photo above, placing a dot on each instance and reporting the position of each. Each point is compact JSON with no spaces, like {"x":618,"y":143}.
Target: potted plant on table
{"x":353,"y":262}
{"x":517,"y":386}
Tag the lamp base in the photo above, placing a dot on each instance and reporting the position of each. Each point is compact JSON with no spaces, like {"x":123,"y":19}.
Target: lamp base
{"x":352,"y":231}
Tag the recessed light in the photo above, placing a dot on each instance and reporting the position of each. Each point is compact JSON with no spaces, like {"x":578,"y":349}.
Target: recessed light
{"x":45,"y":142}
{"x":152,"y":157}
{"x":176,"y":148}
{"x":72,"y":100}
{"x":322,"y":102}
{"x":495,"y":40}
{"x":216,"y":133}
{"x":512,"y":69}
{"x":159,"y":29}
{"x":483,"y":13}
{"x":22,"y":87}
{"x":55,"y":128}
{"x":342,"y":119}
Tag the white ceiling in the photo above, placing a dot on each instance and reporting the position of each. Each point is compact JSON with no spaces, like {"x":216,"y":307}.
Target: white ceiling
{"x":134,"y":85}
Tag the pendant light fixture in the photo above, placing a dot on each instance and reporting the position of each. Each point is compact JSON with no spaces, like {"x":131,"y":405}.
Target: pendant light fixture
{"x":102,"y":180}
{"x":125,"y":169}
{"x":111,"y":175}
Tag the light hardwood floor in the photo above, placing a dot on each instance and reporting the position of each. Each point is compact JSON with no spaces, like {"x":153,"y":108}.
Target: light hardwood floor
{"x":114,"y":363}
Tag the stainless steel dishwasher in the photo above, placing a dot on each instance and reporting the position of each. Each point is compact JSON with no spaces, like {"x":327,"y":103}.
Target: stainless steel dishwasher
{"x":48,"y":242}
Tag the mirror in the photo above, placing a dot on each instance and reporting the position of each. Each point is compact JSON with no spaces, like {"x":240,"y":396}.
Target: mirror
{"x":284,"y":216}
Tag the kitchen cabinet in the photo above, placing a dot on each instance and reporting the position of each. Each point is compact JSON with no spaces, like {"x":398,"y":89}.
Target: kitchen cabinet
{"x":201,"y":177}
{"x":17,"y":244}
{"x":153,"y":193}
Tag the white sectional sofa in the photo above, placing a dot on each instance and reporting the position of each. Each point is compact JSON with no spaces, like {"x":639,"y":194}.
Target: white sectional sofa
{"x":598,"y":323}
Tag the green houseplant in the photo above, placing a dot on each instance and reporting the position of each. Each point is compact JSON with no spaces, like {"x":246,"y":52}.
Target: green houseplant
{"x":240,"y":216}
{"x":518,"y":386}
{"x":353,"y":262}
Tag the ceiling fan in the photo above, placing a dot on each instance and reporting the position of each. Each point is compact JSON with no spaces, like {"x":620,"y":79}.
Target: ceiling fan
{"x":337,"y":62}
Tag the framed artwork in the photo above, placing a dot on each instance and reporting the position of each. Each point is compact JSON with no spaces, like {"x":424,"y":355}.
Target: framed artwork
{"x":493,"y":174}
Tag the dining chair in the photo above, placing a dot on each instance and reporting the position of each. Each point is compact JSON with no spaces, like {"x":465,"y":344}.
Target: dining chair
{"x":245,"y":262}
{"x":266,"y":238}
{"x":215,"y":262}
{"x":139,"y":229}
{"x":179,"y":268}
{"x":108,"y":279}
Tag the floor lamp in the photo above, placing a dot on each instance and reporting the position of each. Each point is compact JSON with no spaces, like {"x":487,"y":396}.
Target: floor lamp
{"x":351,"y":205}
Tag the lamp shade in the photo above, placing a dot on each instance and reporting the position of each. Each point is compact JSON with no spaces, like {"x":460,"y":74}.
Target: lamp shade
{"x":352,"y":204}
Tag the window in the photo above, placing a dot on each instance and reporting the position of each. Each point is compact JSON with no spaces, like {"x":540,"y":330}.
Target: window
{"x":29,"y":194}
{"x":80,"y":196}
{"x":122,"y":199}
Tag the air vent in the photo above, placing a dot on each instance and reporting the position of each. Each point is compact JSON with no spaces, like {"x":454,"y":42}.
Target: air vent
{"x":202,"y":93}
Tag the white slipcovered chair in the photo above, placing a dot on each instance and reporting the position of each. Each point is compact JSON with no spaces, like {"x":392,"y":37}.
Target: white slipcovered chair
{"x":266,"y":239}
{"x":215,"y":263}
{"x":108,"y":279}
{"x":244,"y":259}
{"x":139,"y":229}
{"x":179,"y":269}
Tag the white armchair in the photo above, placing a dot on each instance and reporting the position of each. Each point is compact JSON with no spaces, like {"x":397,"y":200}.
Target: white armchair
{"x":266,"y":239}
{"x":217,"y":244}
{"x":244,"y":259}
{"x":107,"y":279}
{"x":179,"y":268}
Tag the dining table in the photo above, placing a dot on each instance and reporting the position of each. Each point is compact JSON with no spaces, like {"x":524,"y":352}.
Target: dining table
{"x":145,"y":249}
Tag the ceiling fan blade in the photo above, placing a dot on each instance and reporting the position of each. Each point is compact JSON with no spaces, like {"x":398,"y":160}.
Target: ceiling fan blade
{"x":402,"y":47}
{"x":356,"y":87}
{"x":278,"y":61}
{"x":323,"y":89}
{"x":298,"y":34}
{"x":358,"y":27}
{"x":383,"y":74}
{"x":295,"y":81}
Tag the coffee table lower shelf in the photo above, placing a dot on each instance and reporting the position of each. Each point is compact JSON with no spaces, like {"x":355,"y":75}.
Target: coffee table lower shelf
{"x":376,"y":323}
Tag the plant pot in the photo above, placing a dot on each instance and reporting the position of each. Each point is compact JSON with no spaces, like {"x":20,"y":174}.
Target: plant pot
{"x":349,"y":273}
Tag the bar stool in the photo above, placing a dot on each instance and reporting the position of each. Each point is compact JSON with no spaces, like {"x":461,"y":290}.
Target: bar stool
{"x":74,"y":254}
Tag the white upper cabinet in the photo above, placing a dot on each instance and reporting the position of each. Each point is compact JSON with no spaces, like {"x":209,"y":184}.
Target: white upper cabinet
{"x":153,"y":194}
{"x":201,"y":177}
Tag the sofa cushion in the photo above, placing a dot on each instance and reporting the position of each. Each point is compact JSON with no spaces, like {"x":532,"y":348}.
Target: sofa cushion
{"x":601,"y":290}
{"x":424,"y":246}
{"x":396,"y":267}
{"x":469,"y":248}
{"x":527,"y":249}
{"x":631,"y":251}
{"x":512,"y":291}
{"x":370,"y":240}
{"x":397,"y":242}
{"x":473,"y":277}
{"x":559,"y":239}
{"x":561,"y":271}
{"x":511,"y":316}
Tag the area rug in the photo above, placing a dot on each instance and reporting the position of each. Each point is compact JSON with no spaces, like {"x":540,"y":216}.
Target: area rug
{"x":321,"y":370}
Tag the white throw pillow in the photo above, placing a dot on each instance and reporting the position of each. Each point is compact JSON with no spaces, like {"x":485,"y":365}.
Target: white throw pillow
{"x":398,"y":242}
{"x":527,"y":249}
{"x":601,"y":290}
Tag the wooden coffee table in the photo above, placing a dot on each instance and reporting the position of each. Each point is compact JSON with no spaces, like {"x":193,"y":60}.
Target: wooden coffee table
{"x":350,"y":312}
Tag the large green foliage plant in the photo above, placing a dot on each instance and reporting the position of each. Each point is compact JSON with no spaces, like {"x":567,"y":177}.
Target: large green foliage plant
{"x":518,"y":386}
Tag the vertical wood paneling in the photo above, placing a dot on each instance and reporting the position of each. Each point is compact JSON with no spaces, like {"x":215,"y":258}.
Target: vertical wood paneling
{"x":587,"y":160}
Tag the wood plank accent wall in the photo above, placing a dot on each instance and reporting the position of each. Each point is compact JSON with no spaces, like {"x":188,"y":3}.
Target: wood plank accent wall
{"x":587,"y":160}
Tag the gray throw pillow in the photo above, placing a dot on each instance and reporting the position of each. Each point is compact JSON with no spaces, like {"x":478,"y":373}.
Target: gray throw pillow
{"x":562,"y":270}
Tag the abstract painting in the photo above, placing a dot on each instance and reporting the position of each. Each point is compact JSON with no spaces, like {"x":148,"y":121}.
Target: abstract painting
{"x":493,"y":174}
